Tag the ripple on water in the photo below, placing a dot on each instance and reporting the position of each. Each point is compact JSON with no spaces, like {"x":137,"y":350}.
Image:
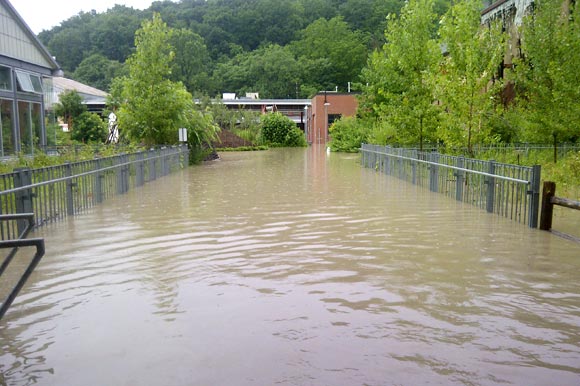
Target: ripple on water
{"x":294,"y":268}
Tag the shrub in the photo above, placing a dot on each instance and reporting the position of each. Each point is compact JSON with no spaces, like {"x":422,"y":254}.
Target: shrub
{"x":278,"y":129}
{"x":347,"y":134}
{"x":89,"y":127}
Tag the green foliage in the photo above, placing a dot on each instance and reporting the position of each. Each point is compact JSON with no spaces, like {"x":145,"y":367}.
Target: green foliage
{"x":466,"y":86}
{"x":191,"y":63}
{"x":210,"y":33}
{"x":152,"y":106}
{"x":399,"y":92}
{"x":330,"y":53}
{"x":98,"y":71}
{"x":70,"y":107}
{"x":89,"y":127}
{"x":347,"y":134}
{"x":547,"y":75}
{"x":278,"y":129}
{"x":271,"y":70}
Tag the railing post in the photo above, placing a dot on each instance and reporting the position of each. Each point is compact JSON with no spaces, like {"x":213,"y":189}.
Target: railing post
{"x":490,"y":181}
{"x":152,"y":166}
{"x":119,"y":174}
{"x":548,"y":191}
{"x":99,"y":183}
{"x":23,"y":177}
{"x":70,"y":208}
{"x":400,"y":163}
{"x":460,"y":179}
{"x":414,"y":166}
{"x":434,"y":172}
{"x":535,"y":196}
{"x":140,"y":171}
{"x":127,"y":173}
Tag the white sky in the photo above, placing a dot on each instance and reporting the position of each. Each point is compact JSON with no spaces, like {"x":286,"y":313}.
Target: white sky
{"x":45,"y":14}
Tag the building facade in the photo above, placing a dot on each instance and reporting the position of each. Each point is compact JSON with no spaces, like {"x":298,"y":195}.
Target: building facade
{"x":26,"y":70}
{"x":327,"y":107}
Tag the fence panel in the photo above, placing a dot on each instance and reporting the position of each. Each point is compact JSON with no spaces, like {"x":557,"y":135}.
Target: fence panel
{"x":507,"y":190}
{"x":55,"y":192}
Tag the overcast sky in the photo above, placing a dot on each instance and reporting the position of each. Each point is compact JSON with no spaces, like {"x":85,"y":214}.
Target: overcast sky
{"x":45,"y":14}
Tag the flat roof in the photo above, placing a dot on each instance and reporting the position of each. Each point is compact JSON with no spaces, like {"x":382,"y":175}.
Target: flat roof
{"x":262,"y":102}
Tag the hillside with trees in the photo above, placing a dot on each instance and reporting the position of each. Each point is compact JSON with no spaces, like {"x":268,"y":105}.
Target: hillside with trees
{"x":281,"y":49}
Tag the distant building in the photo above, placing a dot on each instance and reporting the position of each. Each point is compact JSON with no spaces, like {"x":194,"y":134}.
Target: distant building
{"x":93,"y":98}
{"x":313,"y":116}
{"x":327,"y":107}
{"x":26,"y":70}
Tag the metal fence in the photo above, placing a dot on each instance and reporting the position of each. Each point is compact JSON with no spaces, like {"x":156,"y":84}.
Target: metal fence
{"x":510,"y":191}
{"x":52,"y":193}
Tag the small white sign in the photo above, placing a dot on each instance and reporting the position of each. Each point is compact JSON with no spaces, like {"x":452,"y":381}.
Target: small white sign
{"x":182,"y":135}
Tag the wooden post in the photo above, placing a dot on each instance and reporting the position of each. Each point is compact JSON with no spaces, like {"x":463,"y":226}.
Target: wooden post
{"x":548,"y":192}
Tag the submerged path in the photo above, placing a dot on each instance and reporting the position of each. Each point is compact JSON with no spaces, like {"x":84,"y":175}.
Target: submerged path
{"x":294,"y":267}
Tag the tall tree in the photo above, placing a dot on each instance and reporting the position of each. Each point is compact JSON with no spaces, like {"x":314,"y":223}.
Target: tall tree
{"x":399,"y":92}
{"x":548,"y":74}
{"x":152,"y":106}
{"x":192,"y":61}
{"x":330,"y":53}
{"x":98,"y":71}
{"x":467,"y":87}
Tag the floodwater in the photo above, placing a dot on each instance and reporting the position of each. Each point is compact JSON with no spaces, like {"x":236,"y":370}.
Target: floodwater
{"x":294,"y":267}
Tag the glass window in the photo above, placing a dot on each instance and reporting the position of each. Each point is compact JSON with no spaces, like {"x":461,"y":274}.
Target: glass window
{"x":6,"y":136}
{"x":29,"y":118}
{"x":5,"y":79}
{"x":36,"y":83}
{"x":28,"y":82}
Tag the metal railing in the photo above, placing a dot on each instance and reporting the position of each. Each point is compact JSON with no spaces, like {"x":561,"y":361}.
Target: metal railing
{"x":55,"y":192}
{"x":510,"y":191}
{"x":13,"y":245}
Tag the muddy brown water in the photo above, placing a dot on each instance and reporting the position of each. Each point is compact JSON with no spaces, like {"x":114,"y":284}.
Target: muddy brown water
{"x":294,"y":267}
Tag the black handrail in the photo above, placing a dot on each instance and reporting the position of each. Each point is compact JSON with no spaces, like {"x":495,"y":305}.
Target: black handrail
{"x":15,"y":245}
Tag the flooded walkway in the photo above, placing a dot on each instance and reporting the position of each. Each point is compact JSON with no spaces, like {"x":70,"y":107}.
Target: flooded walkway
{"x":294,"y":267}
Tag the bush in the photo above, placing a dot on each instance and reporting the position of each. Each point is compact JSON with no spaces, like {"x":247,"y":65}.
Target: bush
{"x":347,"y":134}
{"x":89,"y":127}
{"x":278,"y":129}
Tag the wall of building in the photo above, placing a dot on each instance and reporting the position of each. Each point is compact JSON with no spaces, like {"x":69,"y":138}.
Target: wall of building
{"x":325,"y":109}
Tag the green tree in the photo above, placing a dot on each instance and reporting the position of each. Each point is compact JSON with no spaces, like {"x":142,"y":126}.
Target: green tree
{"x":192,"y":60}
{"x":547,"y":74}
{"x":70,"y":107}
{"x":399,"y":94}
{"x":271,"y":71}
{"x":330,"y":54}
{"x":89,"y":127}
{"x":98,"y":71}
{"x":153,"y":106}
{"x":467,"y":86}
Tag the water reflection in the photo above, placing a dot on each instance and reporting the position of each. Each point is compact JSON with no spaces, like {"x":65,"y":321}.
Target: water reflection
{"x":294,"y":267}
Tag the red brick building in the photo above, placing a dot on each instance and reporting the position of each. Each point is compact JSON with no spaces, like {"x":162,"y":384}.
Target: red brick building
{"x":325,"y":108}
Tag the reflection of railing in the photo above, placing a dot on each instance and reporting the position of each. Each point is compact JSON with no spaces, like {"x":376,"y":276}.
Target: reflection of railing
{"x":13,"y":246}
{"x":510,"y":191}
{"x":58,"y":191}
